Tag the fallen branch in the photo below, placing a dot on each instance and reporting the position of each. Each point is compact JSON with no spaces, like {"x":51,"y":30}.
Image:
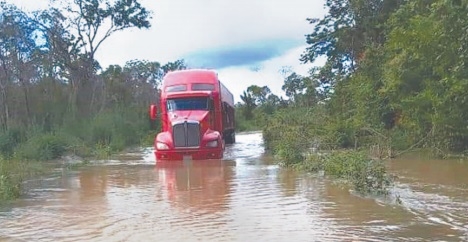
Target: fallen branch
{"x":415,"y":145}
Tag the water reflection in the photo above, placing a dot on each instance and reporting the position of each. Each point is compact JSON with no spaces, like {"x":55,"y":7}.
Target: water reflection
{"x":202,"y":186}
{"x":288,"y":180}
{"x":93,"y":183}
{"x":432,"y":171}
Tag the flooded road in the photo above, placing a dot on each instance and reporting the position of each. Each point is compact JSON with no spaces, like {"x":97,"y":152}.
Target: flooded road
{"x":245,"y":197}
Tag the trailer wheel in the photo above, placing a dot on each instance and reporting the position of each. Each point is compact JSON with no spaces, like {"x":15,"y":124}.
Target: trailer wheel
{"x":230,"y":138}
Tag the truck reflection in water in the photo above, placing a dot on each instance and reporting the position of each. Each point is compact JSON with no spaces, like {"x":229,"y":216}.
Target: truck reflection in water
{"x":197,"y":185}
{"x":202,"y":185}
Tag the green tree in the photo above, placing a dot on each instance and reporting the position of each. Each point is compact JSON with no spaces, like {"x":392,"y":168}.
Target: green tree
{"x":344,"y":33}
{"x":425,"y":74}
{"x":249,"y":104}
{"x":91,"y":23}
{"x":173,"y":66}
{"x":259,"y":94}
{"x":18,"y":62}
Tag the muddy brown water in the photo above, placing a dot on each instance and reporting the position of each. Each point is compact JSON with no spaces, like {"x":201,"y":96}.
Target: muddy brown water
{"x":244,"y":197}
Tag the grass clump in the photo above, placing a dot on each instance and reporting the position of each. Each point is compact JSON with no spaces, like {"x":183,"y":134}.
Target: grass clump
{"x":42,"y":147}
{"x":12,"y":175}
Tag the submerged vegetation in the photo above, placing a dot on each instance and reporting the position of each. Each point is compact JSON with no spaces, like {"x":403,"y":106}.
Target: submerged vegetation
{"x":11,"y":177}
{"x":366,"y":175}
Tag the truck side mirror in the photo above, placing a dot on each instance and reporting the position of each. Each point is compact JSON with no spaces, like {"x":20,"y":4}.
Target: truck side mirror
{"x":153,"y":111}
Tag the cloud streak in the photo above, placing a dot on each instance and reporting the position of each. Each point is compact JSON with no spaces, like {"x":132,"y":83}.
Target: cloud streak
{"x":247,"y":54}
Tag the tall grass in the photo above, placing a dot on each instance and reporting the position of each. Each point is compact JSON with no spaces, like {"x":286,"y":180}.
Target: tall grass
{"x":99,"y":136}
{"x":10,"y":180}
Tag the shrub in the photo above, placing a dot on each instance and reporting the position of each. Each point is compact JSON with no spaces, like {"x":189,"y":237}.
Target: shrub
{"x":9,"y":140}
{"x":42,"y":147}
{"x":290,"y":134}
{"x":11,"y":178}
{"x":355,"y":167}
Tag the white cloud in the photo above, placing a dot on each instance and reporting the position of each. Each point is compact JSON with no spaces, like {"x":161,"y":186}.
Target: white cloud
{"x":180,"y":27}
{"x":237,"y":79}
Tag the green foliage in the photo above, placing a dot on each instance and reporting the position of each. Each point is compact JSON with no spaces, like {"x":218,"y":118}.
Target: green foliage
{"x":424,"y":77}
{"x":243,"y":124}
{"x":367,"y":176}
{"x":111,"y":131}
{"x":289,"y":133}
{"x":395,"y":79}
{"x":397,"y":76}
{"x":42,"y":147}
{"x":9,"y":140}
{"x":295,"y":134}
{"x":248,"y":106}
{"x":53,"y":102}
{"x":12,"y":174}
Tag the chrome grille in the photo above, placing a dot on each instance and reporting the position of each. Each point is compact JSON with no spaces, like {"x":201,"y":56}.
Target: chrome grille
{"x":178,"y":131}
{"x":186,"y":134}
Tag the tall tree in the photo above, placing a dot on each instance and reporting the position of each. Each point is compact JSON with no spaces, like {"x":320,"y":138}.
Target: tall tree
{"x":173,"y":66}
{"x":91,"y":22}
{"x":426,"y":70}
{"x":249,"y":104}
{"x":259,"y":94}
{"x":345,"y":32}
{"x":17,"y":48}
{"x":293,"y":85}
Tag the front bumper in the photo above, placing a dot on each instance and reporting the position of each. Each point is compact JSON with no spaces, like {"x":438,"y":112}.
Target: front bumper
{"x":183,"y":154}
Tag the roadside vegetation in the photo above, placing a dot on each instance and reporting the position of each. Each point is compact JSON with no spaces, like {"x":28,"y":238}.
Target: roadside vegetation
{"x":395,"y":80}
{"x":57,"y":100}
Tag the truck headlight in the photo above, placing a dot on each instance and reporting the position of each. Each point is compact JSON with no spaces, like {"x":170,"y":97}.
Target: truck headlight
{"x":212,"y":144}
{"x":161,"y":146}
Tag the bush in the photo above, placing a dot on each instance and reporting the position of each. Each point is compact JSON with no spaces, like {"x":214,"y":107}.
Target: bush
{"x":355,"y":167}
{"x":290,"y":134}
{"x":42,"y":147}
{"x":11,"y":178}
{"x":98,"y":136}
{"x":9,"y":140}
{"x":111,"y":131}
{"x":243,"y":124}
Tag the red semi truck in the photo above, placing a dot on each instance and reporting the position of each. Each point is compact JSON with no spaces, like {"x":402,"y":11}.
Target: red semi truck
{"x":197,"y":116}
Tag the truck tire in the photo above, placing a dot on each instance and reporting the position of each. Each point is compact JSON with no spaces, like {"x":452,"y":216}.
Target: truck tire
{"x":233,"y":137}
{"x":230,"y":137}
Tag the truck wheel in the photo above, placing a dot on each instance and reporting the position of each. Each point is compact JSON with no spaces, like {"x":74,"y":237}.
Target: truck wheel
{"x":230,"y":138}
{"x":233,"y":137}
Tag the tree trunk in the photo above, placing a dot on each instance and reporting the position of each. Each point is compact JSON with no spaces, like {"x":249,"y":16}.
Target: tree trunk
{"x":26,"y":101}
{"x":6,"y":111}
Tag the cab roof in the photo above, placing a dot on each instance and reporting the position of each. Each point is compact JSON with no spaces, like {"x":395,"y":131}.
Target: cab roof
{"x":190,"y":76}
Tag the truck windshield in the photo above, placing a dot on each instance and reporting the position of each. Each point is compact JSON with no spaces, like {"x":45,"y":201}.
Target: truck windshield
{"x":187,"y":104}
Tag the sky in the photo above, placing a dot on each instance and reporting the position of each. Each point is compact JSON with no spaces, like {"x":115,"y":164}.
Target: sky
{"x":247,"y":42}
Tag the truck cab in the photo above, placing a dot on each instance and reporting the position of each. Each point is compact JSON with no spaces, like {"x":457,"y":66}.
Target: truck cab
{"x":197,"y":116}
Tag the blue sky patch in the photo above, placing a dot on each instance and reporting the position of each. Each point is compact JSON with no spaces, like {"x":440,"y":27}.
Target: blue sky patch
{"x":241,"y":55}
